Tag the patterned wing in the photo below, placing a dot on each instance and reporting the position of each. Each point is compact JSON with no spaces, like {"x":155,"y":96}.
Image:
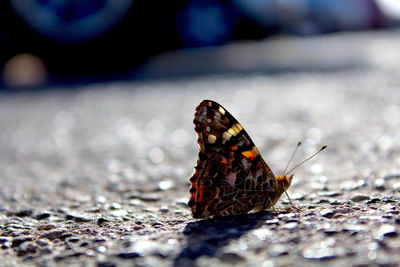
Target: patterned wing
{"x":230,"y":176}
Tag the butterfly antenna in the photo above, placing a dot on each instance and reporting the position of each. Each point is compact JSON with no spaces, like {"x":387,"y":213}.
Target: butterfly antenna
{"x":307,"y":159}
{"x":291,"y":157}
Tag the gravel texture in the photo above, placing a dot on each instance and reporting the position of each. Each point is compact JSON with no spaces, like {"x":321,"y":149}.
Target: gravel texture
{"x":99,"y":176}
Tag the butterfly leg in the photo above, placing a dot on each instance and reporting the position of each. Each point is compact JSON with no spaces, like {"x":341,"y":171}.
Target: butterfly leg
{"x":291,"y":203}
{"x":268,"y":204}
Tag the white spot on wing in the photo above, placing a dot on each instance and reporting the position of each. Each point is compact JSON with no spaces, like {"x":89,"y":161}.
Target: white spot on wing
{"x":226,"y":135}
{"x":232,"y":132}
{"x":211,"y":138}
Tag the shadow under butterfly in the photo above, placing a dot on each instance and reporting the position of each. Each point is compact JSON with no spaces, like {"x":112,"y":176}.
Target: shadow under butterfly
{"x":208,"y":237}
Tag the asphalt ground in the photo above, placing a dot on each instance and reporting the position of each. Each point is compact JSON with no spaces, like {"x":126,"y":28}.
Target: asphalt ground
{"x":98,"y":174}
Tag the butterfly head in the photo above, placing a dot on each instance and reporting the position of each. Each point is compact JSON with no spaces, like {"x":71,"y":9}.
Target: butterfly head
{"x":284,"y":181}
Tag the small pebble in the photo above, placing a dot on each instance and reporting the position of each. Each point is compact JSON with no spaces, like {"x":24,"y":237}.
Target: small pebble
{"x":23,"y":213}
{"x":386,"y":230}
{"x":379,"y":184}
{"x":115,"y":206}
{"x":119,"y":213}
{"x":290,"y":226}
{"x":390,"y":199}
{"x":14,"y":233}
{"x":391,"y":176}
{"x":5,"y":245}
{"x":16,"y":226}
{"x":21,"y":239}
{"x":128,"y":255}
{"x":107,"y":264}
{"x":42,"y":216}
{"x":4,"y":239}
{"x":65,"y":235}
{"x":373,"y":201}
{"x":164,"y":209}
{"x":231,"y":258}
{"x":396,"y":186}
{"x":327,"y":213}
{"x":319,"y":253}
{"x":42,"y":242}
{"x":84,"y":244}
{"x":262,"y":233}
{"x":178,"y":212}
{"x":147,"y":209}
{"x":330,"y":194}
{"x":93,"y":210}
{"x":135,"y":202}
{"x":288,"y":216}
{"x":330,"y":232}
{"x":336,"y":202}
{"x":101,"y":220}
{"x":82,"y":219}
{"x":99,"y":239}
{"x":53,"y":234}
{"x":146,"y":197}
{"x":25,"y":248}
{"x":101,"y":199}
{"x":73,"y":239}
{"x":278,"y":250}
{"x":101,"y":249}
{"x":351,"y":186}
{"x":272,"y":221}
{"x":344,"y":210}
{"x":43,"y":227}
{"x":182,"y":202}
{"x":157,"y":225}
{"x":358,"y":198}
{"x":166,"y":184}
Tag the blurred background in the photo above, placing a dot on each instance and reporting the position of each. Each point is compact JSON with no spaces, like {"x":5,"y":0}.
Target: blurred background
{"x":47,"y":42}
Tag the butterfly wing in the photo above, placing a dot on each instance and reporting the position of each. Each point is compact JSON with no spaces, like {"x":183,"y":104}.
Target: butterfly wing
{"x":230,"y":177}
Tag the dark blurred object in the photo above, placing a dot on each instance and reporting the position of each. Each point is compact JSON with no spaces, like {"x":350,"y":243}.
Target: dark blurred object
{"x":206,"y":22}
{"x":73,"y":38}
{"x":71,"y":21}
{"x":81,"y":38}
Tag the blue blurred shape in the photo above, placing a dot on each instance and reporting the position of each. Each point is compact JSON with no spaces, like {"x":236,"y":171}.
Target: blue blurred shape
{"x":205,"y":23}
{"x":71,"y":21}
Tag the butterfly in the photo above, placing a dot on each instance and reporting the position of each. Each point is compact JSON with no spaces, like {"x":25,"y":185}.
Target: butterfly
{"x":230,"y":177}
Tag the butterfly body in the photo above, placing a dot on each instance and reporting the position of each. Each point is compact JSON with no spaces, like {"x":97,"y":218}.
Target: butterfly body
{"x":230,"y":177}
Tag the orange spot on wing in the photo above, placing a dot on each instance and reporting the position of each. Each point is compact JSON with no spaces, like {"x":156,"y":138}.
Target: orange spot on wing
{"x":234,"y":148}
{"x":249,"y":154}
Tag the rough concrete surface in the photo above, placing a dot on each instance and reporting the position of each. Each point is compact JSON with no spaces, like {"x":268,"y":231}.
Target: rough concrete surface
{"x":98,"y":176}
